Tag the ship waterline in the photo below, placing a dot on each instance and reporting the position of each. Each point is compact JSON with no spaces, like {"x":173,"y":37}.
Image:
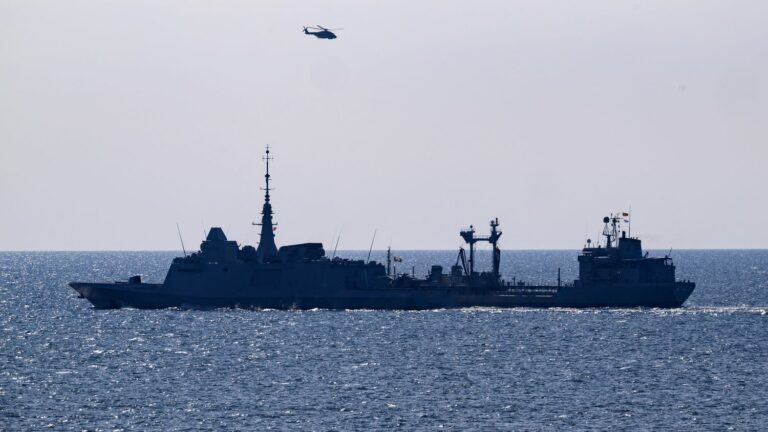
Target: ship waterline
{"x":152,"y":296}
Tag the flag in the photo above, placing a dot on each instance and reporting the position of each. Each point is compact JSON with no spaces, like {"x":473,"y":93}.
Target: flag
{"x":397,"y":259}
{"x":625,"y":214}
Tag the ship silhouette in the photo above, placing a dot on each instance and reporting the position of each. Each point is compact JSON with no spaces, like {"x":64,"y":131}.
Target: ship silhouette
{"x":301,"y":276}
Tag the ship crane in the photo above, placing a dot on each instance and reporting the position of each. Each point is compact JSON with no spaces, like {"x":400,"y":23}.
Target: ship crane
{"x":470,"y":237}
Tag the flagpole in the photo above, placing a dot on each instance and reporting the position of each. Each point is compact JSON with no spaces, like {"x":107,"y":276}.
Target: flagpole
{"x":630,"y":221}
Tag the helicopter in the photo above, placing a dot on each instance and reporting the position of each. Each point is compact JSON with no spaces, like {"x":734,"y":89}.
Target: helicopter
{"x":322,"y":33}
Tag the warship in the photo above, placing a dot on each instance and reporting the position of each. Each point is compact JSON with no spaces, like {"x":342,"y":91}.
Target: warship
{"x":223,"y":274}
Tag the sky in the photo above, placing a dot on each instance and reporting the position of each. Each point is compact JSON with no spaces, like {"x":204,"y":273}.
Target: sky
{"x":120,"y":119}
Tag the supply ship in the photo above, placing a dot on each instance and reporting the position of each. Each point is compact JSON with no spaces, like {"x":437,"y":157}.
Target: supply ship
{"x":301,"y":276}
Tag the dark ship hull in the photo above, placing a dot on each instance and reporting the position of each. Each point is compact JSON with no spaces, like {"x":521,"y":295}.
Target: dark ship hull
{"x":154,"y":296}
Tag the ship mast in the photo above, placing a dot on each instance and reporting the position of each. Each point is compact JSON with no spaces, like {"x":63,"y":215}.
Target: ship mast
{"x":471,"y":238}
{"x":611,"y":232}
{"x":493,"y":240}
{"x":267,"y":246}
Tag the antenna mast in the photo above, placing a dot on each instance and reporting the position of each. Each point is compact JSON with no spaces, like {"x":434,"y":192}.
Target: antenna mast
{"x":337,"y":246}
{"x":267,"y":246}
{"x":180,"y":239}
{"x":607,"y":231}
{"x":611,"y":228}
{"x":267,"y":158}
{"x":371,"y":248}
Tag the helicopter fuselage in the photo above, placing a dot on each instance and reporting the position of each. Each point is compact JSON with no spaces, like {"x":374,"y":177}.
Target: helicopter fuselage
{"x":324,"y":34}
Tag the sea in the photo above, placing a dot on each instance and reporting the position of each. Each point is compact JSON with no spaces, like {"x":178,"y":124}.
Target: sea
{"x":67,"y":366}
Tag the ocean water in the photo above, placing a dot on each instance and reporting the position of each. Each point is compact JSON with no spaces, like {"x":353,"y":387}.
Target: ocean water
{"x":66,"y":366}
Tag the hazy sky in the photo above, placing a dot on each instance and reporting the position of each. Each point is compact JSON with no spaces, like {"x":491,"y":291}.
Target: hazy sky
{"x":119,"y":119}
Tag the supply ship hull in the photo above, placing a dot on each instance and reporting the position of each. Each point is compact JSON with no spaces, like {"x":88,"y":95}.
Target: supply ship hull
{"x":313,"y":295}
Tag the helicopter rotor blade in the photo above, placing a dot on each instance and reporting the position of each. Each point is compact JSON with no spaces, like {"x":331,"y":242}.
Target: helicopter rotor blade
{"x":321,"y":27}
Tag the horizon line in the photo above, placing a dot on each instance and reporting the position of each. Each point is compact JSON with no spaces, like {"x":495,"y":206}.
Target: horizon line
{"x":383,"y":250}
